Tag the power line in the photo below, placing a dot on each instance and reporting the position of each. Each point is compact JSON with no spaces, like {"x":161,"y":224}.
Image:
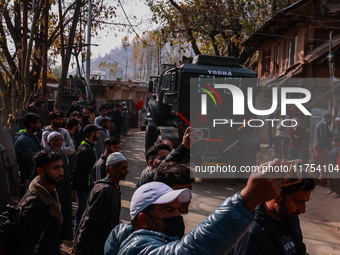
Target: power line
{"x":133,"y":29}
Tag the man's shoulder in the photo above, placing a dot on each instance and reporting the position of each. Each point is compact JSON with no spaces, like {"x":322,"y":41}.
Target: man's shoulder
{"x":24,"y":136}
{"x":105,"y":187}
{"x":149,"y":240}
{"x":46,"y":130}
{"x":63,"y":131}
{"x":32,"y":205}
{"x":84,"y":148}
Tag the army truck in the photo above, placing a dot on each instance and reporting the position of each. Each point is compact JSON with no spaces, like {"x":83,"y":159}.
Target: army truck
{"x":169,"y":111}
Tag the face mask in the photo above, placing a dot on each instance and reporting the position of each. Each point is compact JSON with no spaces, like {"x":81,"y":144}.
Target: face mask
{"x":173,"y":226}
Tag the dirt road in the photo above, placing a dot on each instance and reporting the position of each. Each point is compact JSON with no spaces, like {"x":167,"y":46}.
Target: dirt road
{"x":320,"y":224}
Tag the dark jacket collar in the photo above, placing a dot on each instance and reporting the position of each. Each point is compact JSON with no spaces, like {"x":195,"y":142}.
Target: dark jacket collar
{"x":46,"y":197}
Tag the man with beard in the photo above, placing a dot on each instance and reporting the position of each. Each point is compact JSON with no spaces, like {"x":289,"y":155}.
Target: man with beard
{"x":157,"y":225}
{"x":82,"y":181}
{"x":39,"y":108}
{"x":56,"y":119}
{"x":26,"y":145}
{"x":86,"y":118}
{"x":99,"y":169}
{"x":38,"y":230}
{"x":103,"y":113}
{"x":277,"y":227}
{"x":103,"y":208}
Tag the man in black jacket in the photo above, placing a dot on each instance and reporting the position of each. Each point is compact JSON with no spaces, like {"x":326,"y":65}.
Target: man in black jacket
{"x":102,"y":209}
{"x":40,"y":220}
{"x":82,"y":181}
{"x":277,"y":227}
{"x":99,"y":168}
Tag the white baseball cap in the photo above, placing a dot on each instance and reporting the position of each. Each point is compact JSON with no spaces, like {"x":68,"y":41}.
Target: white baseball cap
{"x":156,"y":193}
{"x":114,"y":158}
{"x":52,"y":135}
{"x":337,"y":118}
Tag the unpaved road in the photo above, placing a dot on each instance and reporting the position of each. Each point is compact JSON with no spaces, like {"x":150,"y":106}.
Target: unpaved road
{"x":320,"y":224}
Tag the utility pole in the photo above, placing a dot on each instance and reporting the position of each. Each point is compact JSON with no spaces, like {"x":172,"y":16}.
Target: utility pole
{"x":88,"y":53}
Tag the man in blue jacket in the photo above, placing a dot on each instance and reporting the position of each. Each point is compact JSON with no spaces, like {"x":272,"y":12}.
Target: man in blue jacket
{"x":26,"y":145}
{"x":157,"y":225}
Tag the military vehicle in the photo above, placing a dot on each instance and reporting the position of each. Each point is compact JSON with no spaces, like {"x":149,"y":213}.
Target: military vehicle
{"x":169,"y":111}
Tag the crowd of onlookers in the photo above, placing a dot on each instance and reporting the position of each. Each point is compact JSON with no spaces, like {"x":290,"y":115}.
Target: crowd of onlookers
{"x":82,"y":141}
{"x":292,"y":143}
{"x":78,"y":159}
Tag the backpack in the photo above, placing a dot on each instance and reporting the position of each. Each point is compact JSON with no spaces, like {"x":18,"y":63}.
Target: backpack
{"x":9,"y":222}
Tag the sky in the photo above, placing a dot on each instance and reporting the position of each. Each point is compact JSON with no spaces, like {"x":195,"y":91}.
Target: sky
{"x":110,"y":37}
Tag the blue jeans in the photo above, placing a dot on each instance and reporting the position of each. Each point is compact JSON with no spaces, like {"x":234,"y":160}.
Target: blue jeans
{"x":82,"y":200}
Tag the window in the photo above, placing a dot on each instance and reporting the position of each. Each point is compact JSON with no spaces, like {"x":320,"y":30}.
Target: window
{"x":266,"y":61}
{"x":291,"y":51}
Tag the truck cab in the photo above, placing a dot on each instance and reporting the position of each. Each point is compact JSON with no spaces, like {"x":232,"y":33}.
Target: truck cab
{"x":170,"y":110}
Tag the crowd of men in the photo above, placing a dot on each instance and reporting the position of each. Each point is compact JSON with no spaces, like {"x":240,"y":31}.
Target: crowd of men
{"x":292,"y":143}
{"x":65,"y":164}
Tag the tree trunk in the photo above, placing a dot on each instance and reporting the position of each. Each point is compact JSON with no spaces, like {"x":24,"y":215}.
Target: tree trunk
{"x":274,"y":7}
{"x":189,"y":30}
{"x":68,"y":53}
{"x":213,"y":40}
{"x":37,"y":8}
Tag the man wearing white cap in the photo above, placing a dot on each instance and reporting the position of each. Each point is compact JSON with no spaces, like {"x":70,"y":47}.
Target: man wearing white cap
{"x":103,"y":208}
{"x":157,"y":225}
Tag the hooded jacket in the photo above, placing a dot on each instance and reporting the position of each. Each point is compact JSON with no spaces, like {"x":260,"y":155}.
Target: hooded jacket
{"x":263,"y":238}
{"x":216,"y":235}
{"x":40,"y":217}
{"x":26,"y":146}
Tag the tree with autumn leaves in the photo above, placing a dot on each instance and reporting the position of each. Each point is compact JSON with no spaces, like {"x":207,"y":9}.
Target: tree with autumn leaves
{"x":212,"y":27}
{"x":23,"y":32}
